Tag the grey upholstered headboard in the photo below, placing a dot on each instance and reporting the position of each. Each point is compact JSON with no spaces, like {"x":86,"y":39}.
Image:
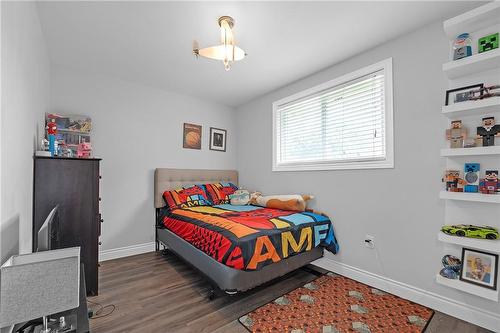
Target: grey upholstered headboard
{"x":168,"y":179}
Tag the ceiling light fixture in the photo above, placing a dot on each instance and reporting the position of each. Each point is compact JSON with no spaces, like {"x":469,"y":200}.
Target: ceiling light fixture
{"x":228,"y":52}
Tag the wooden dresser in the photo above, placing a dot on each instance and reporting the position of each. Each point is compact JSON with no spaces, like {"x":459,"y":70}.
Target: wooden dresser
{"x":73,"y":184}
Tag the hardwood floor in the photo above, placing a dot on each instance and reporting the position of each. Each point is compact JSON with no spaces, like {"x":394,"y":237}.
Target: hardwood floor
{"x":160,"y":293}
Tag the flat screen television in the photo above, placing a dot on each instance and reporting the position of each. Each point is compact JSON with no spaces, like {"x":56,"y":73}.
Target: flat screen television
{"x":48,"y":235}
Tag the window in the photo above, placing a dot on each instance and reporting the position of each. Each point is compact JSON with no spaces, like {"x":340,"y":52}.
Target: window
{"x":345,"y":123}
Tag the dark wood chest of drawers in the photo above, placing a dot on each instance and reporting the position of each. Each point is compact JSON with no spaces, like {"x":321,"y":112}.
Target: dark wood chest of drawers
{"x":73,"y":184}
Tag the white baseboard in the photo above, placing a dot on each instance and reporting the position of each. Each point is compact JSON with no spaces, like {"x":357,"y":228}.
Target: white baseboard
{"x":474,"y":315}
{"x":126,"y":251}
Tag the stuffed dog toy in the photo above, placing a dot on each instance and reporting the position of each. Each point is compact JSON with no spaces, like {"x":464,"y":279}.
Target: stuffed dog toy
{"x":294,"y":202}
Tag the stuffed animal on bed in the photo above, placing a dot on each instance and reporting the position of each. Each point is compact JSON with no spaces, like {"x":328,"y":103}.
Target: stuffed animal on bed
{"x":294,"y":202}
{"x":240,"y":198}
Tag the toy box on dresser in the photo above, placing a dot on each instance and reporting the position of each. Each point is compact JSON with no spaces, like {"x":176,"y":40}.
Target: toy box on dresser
{"x":471,"y":188}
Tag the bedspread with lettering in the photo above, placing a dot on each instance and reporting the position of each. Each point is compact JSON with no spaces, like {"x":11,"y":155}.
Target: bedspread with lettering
{"x":251,"y":237}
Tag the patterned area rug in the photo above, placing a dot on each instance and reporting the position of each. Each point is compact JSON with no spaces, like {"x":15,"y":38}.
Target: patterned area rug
{"x":333,"y":303}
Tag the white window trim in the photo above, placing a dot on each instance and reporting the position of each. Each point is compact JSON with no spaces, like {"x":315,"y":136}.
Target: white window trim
{"x":387,"y":163}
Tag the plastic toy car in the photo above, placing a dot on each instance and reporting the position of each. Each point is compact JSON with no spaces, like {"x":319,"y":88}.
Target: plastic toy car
{"x":471,"y":231}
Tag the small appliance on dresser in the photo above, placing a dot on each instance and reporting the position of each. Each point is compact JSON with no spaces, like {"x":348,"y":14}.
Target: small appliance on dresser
{"x":72,"y":184}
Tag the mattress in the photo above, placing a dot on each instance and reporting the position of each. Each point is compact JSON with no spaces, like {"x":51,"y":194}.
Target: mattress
{"x":250,"y":237}
{"x":229,"y":279}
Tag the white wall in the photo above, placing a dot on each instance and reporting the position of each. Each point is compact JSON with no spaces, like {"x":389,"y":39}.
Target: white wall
{"x":399,"y":206}
{"x":25,"y":93}
{"x":135,"y":130}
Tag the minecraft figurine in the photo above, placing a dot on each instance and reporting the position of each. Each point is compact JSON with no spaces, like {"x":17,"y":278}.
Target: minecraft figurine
{"x":488,"y":131}
{"x":487,"y":43}
{"x":471,"y":177}
{"x":490,"y":184}
{"x":453,"y":181}
{"x":456,"y":134}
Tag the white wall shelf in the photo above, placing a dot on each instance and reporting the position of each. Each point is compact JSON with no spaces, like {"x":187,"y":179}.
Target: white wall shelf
{"x":473,"y":197}
{"x":475,"y":151}
{"x":468,"y":288}
{"x":487,"y":245}
{"x":480,"y":67}
{"x":476,"y":19}
{"x":474,"y":64}
{"x":472,"y":108}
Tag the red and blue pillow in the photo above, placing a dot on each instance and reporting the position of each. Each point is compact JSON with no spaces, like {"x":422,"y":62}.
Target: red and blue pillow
{"x":219,"y":193}
{"x":185,"y":197}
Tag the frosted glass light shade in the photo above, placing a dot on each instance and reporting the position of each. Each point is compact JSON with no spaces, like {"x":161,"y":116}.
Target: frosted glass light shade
{"x":222,"y":52}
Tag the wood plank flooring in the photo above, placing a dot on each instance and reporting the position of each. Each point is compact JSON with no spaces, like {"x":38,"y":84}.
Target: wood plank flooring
{"x":160,"y":293}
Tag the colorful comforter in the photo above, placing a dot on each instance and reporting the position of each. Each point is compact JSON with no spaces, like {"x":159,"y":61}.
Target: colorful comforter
{"x":250,"y":237}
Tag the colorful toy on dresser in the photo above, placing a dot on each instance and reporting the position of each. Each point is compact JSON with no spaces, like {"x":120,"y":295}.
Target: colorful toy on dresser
{"x":51,"y":134}
{"x":84,"y":150}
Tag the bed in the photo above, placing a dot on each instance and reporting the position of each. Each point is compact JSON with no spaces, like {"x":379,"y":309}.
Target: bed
{"x":231,"y":265}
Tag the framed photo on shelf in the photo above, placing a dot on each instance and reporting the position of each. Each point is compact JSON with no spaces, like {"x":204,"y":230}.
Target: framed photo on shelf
{"x":462,"y":94}
{"x":479,"y":268}
{"x":191,"y":138}
{"x":217,"y":139}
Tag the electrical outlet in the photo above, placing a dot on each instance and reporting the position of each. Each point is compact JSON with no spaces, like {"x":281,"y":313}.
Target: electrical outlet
{"x":370,"y":241}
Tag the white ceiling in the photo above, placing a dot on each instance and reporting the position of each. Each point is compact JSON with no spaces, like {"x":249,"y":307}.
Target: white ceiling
{"x":151,"y":42}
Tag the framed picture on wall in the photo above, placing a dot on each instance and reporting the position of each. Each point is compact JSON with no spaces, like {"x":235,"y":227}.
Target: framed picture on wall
{"x":217,"y":139}
{"x":462,"y":94}
{"x":479,"y":268}
{"x":191,"y":136}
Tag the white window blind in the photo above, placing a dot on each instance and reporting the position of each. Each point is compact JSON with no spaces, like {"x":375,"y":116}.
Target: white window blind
{"x":340,"y":125}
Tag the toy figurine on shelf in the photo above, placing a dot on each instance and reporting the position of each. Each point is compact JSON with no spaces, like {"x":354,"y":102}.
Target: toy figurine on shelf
{"x":471,"y":177}
{"x":51,"y":134}
{"x":456,"y":134}
{"x":490,"y":184}
{"x":488,"y":131}
{"x":84,"y":150}
{"x":453,"y":181}
{"x":471,"y":231}
{"x":487,"y":43}
{"x":462,"y":46}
